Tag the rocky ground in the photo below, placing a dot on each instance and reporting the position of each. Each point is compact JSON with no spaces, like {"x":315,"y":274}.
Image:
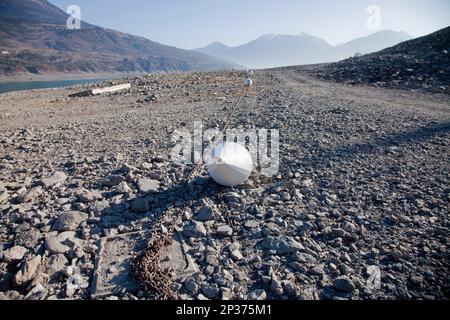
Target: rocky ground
{"x":421,"y":64}
{"x":363,"y":185}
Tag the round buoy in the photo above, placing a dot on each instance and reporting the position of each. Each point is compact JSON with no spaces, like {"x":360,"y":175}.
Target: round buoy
{"x":249,"y":73}
{"x":230,"y":164}
{"x":248,"y":82}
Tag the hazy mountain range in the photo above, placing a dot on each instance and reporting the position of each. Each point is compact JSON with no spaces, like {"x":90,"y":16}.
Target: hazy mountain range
{"x":282,"y":50}
{"x":34,"y":39}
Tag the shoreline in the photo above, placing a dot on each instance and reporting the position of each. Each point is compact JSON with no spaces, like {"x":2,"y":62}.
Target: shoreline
{"x":62,"y":77}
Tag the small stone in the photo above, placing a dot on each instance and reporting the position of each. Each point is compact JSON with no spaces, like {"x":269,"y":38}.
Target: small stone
{"x":205,"y":214}
{"x":194,"y":229}
{"x":27,"y":272}
{"x":88,"y":196}
{"x":233,"y":197}
{"x":289,"y":288}
{"x":252,"y":224}
{"x":146,"y":166}
{"x":55,"y":264}
{"x":225,"y":231}
{"x":14,"y":254}
{"x":257,"y":295}
{"x":237,"y":255}
{"x":344,"y":284}
{"x":211,"y":291}
{"x":191,"y":285}
{"x":53,"y":245}
{"x":30,"y":195}
{"x":37,"y":293}
{"x":122,"y":188}
{"x":98,"y":207}
{"x":113,"y":180}
{"x":69,"y":221}
{"x":4,"y":196}
{"x":307,"y":183}
{"x":417,"y":280}
{"x":148,"y":185}
{"x":57,"y":178}
{"x":140,"y":205}
{"x":282,"y":245}
{"x":28,"y":239}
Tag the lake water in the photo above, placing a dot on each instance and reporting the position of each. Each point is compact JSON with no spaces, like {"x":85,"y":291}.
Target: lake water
{"x":19,"y":86}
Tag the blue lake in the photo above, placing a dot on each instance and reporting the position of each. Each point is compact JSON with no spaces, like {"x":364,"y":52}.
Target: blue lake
{"x":29,"y":85}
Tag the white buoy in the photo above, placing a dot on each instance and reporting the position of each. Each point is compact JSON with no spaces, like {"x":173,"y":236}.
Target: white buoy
{"x":230,"y":164}
{"x":248,"y":82}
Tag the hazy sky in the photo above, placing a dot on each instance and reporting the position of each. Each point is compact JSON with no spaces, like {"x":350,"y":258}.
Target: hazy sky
{"x":194,"y":23}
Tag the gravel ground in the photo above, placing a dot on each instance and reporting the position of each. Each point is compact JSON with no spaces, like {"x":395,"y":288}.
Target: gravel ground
{"x":363,"y":186}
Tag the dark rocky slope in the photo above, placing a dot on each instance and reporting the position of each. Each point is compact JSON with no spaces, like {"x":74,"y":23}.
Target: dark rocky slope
{"x":422,"y":64}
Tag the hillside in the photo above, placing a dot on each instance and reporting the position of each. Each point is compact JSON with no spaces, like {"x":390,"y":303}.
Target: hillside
{"x":34,"y":34}
{"x":422,"y":63}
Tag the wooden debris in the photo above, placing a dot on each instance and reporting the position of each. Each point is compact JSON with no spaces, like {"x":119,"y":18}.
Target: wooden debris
{"x":98,"y":91}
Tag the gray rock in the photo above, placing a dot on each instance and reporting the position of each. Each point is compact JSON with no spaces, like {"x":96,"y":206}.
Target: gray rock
{"x":27,"y":272}
{"x":233,"y":197}
{"x":140,"y":205}
{"x":122,"y":188}
{"x":211,"y":291}
{"x":113,"y":180}
{"x":344,"y":284}
{"x":57,"y":178}
{"x":4,"y":197}
{"x":282,"y":245}
{"x":69,"y":221}
{"x":224,"y":231}
{"x":257,"y":295}
{"x":194,"y":229}
{"x":54,"y":246}
{"x":14,"y":254}
{"x":191,"y":285}
{"x":98,"y":207}
{"x":88,"y":196}
{"x":148,"y":185}
{"x":28,"y":239}
{"x":31,"y":195}
{"x":39,"y":292}
{"x":289,"y":287}
{"x":205,"y":214}
{"x":55,"y":264}
{"x":236,"y":255}
{"x":252,"y":224}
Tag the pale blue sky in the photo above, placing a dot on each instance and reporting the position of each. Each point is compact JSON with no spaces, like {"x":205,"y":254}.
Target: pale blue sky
{"x":194,"y":23}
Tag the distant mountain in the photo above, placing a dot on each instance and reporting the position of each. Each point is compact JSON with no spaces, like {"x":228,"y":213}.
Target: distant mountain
{"x":34,"y":34}
{"x":272,"y":50}
{"x":283,"y":50}
{"x":421,"y":64}
{"x":372,"y":43}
